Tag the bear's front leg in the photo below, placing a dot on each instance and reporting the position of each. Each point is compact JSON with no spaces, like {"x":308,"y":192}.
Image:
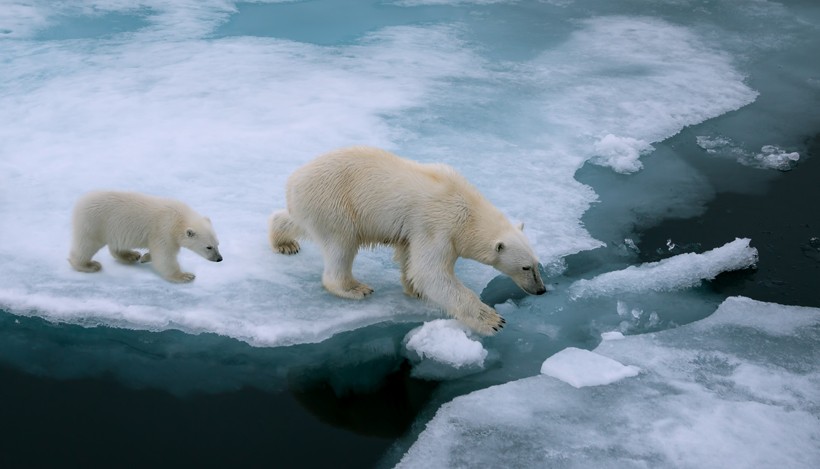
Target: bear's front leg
{"x":165,"y":262}
{"x":431,"y":272}
{"x":402,"y":257}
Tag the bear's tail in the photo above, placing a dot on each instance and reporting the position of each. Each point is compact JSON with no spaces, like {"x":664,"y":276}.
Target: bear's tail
{"x":283,"y":233}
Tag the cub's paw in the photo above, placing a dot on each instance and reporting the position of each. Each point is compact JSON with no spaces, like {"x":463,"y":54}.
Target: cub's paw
{"x":145,"y":258}
{"x":128,"y":257}
{"x":287,"y":247}
{"x":182,"y":277}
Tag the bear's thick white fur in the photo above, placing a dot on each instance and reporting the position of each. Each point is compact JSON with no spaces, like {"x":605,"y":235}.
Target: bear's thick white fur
{"x":431,"y":215}
{"x":129,"y":220}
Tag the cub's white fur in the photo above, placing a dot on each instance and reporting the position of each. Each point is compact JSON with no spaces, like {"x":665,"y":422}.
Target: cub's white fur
{"x":129,"y":220}
{"x":431,"y":215}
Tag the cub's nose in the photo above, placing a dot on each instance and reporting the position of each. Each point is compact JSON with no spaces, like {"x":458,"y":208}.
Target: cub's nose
{"x":541,"y":291}
{"x":218,"y":258}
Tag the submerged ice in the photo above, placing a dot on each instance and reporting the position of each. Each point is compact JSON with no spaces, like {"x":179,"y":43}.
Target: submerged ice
{"x":517,"y":96}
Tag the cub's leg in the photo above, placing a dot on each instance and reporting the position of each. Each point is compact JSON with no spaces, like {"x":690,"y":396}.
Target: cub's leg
{"x":165,"y":262}
{"x":337,"y":277}
{"x":125,"y":256}
{"x":430,"y":271}
{"x":83,"y":249}
{"x":283,"y":233}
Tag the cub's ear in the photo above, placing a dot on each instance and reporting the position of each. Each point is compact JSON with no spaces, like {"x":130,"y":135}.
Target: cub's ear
{"x":499,"y":246}
{"x":190,"y":233}
{"x":520,"y":226}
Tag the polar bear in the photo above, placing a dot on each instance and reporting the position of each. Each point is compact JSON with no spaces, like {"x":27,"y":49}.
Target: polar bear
{"x":129,"y":220}
{"x":431,"y":215}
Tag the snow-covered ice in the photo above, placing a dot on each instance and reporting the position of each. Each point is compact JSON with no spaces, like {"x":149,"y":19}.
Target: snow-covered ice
{"x":674,"y":273}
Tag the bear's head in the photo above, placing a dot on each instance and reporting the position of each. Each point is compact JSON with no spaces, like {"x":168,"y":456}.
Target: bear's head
{"x":514,"y":257}
{"x":200,"y":238}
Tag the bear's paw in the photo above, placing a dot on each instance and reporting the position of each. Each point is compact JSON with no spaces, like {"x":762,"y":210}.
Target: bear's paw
{"x":182,"y":277}
{"x":288,"y":247}
{"x":488,"y":321}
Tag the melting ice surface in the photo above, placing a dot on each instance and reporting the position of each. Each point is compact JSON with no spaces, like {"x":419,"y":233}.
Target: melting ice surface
{"x":216,"y":103}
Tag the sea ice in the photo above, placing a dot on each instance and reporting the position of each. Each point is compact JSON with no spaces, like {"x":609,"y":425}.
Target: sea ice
{"x":674,"y":273}
{"x":710,"y":394}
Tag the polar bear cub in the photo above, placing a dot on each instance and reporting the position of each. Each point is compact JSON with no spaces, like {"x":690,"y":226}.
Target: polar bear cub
{"x":129,"y":220}
{"x":431,"y":215}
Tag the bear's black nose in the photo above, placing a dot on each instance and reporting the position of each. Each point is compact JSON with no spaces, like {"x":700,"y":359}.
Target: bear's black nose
{"x":219,"y":259}
{"x":541,"y":291}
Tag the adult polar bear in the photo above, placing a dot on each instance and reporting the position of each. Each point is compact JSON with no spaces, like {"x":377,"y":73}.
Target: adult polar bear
{"x":128,"y":220}
{"x":431,"y":215}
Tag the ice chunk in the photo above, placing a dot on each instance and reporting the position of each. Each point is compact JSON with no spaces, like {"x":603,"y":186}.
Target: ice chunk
{"x":612,"y":335}
{"x":620,"y":153}
{"x":773,"y":157}
{"x":675,"y":273}
{"x":581,"y":368}
{"x":769,"y":156}
{"x":709,"y":395}
{"x":444,"y":348}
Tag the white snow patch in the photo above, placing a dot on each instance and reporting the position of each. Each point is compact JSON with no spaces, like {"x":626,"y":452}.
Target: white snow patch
{"x":446,"y":341}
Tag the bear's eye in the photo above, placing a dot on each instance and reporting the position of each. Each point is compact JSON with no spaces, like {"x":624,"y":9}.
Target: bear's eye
{"x":526,"y":268}
{"x":209,"y":248}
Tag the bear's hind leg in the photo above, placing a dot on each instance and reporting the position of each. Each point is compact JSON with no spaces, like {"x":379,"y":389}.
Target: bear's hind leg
{"x":283,"y":232}
{"x":82,"y":250}
{"x":338,"y":274}
{"x":125,"y":256}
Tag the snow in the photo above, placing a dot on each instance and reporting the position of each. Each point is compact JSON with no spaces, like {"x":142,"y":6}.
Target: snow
{"x":580,"y":368}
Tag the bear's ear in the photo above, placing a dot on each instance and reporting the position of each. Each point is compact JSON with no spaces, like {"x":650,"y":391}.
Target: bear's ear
{"x":208,"y":220}
{"x":520,"y":226}
{"x":190,"y":233}
{"x":499,"y":246}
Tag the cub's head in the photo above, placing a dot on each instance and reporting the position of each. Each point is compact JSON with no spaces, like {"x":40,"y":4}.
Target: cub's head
{"x":200,"y":238}
{"x":514,"y":257}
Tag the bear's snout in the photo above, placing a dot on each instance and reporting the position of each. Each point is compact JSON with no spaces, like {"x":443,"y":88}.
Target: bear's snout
{"x":218,"y":258}
{"x":541,"y":290}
